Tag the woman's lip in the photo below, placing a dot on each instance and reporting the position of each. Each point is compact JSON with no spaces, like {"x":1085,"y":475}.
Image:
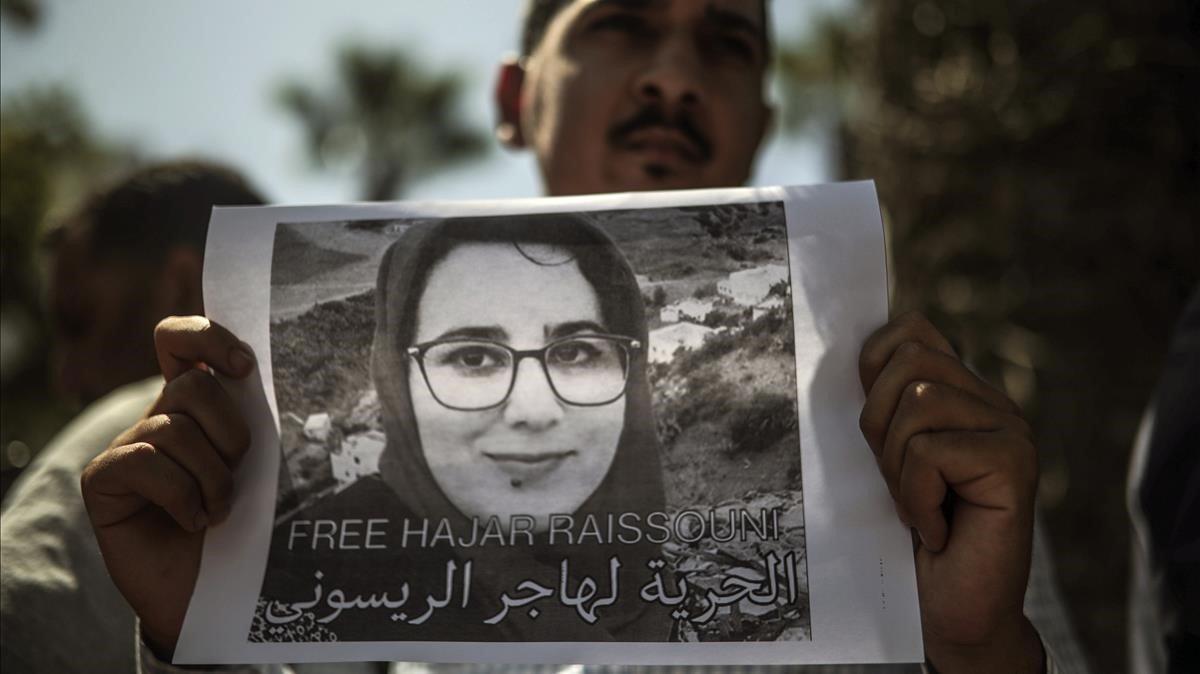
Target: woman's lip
{"x":525,"y":467}
{"x":528,"y":457}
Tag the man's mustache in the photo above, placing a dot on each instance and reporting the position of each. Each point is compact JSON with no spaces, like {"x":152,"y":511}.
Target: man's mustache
{"x":653,"y":116}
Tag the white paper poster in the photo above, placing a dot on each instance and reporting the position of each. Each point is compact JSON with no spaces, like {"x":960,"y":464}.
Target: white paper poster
{"x":615,"y":429}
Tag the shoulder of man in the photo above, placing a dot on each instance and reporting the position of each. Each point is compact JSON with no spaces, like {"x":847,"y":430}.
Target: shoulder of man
{"x":85,"y":436}
{"x":59,"y":609}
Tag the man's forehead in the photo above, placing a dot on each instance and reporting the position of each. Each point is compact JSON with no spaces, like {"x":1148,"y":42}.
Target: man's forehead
{"x":544,"y":17}
{"x":748,"y":9}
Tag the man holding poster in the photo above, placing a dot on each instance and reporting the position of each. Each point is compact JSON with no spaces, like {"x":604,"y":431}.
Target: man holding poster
{"x":622,"y":95}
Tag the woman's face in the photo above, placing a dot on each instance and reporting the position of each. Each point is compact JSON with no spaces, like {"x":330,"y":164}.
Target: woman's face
{"x":533,"y":454}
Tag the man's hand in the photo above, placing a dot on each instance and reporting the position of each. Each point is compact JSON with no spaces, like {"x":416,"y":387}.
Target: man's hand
{"x":153,"y":492}
{"x":961,"y":466}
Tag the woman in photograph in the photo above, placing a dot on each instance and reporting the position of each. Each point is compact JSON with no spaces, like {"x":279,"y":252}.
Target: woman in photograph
{"x":510,"y":361}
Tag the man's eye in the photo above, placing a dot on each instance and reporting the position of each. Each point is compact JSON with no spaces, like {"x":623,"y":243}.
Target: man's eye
{"x":735,"y":46}
{"x":627,"y":23}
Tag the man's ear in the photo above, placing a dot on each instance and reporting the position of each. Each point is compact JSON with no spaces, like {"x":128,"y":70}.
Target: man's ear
{"x":510,"y":80}
{"x":181,"y":287}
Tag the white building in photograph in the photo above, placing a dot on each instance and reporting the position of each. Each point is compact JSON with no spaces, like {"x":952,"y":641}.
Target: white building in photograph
{"x":665,"y":341}
{"x":317,"y":427}
{"x":359,"y":457}
{"x":750,"y":286}
{"x":686,"y":309}
{"x":773,"y":302}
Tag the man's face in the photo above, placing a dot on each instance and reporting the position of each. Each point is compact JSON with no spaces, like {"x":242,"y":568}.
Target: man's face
{"x":625,"y":95}
{"x":103,"y":316}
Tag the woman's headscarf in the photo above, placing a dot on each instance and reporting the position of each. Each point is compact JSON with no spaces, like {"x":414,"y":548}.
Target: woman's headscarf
{"x":634,"y":480}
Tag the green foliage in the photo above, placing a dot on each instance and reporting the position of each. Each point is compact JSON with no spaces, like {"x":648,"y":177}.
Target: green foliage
{"x":812,"y":72}
{"x":385,"y":115}
{"x":25,"y":14}
{"x":42,"y":130}
{"x":49,"y":158}
{"x":1037,"y":166}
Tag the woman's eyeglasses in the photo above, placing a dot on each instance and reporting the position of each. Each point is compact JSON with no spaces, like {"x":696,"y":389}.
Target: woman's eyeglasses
{"x":477,"y":374}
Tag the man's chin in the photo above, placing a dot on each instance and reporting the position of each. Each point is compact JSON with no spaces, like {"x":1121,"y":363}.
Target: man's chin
{"x":649,"y":177}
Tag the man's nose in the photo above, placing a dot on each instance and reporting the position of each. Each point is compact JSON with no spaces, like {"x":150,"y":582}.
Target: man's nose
{"x":673,"y":75}
{"x":532,"y":403}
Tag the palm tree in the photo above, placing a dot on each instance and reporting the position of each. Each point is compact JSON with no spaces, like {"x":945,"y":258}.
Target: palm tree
{"x":25,"y":14}
{"x":813,"y":73}
{"x":386,"y":115}
{"x":50,"y":156}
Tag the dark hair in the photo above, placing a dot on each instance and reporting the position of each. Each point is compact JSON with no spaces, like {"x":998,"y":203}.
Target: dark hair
{"x":539,"y":14}
{"x":600,"y":261}
{"x":154,"y":209}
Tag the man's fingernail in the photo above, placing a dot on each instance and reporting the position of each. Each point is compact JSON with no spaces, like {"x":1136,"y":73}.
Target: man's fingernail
{"x":201,"y":520}
{"x":922,"y":537}
{"x":241,"y":358}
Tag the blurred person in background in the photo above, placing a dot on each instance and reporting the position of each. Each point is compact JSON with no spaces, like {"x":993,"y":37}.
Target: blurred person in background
{"x":130,"y":255}
{"x":1164,"y":506}
{"x":617,"y":95}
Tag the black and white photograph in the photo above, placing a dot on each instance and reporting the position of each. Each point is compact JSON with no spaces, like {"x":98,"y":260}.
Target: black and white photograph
{"x":608,"y":429}
{"x":554,"y":427}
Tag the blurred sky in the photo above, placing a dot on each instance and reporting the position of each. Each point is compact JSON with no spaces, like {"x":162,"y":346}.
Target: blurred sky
{"x":200,"y":78}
